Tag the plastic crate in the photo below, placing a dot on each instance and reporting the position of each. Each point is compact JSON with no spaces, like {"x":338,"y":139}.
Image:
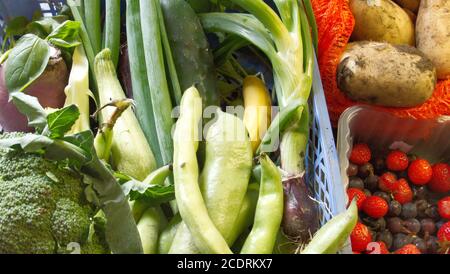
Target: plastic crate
{"x":322,"y":165}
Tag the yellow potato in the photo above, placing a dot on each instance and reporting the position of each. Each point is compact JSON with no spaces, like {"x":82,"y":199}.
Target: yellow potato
{"x":433,"y":34}
{"x":381,"y":21}
{"x":386,"y":75}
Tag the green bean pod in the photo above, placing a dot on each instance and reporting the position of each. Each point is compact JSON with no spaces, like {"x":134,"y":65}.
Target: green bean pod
{"x":149,"y":226}
{"x":189,"y":198}
{"x":269,"y":211}
{"x":224,"y":178}
{"x":168,"y":234}
{"x":333,"y":235}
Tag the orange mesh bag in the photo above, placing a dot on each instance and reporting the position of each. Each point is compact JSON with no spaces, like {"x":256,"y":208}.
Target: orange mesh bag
{"x":335,"y":24}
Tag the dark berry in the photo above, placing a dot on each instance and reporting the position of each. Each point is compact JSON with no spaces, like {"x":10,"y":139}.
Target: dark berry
{"x":395,"y":225}
{"x":428,"y":226}
{"x":421,"y":206}
{"x":420,"y":244}
{"x":352,"y":170}
{"x":379,"y":165}
{"x":395,"y":209}
{"x":413,"y":225}
{"x":432,"y":245}
{"x":371,"y":182}
{"x":356,"y":182}
{"x":383,"y":195}
{"x":432,"y":212}
{"x":409,"y":210}
{"x":400,"y":240}
{"x":367,"y":192}
{"x":420,"y":192}
{"x":365,"y":170}
{"x":386,"y":237}
{"x":375,"y":224}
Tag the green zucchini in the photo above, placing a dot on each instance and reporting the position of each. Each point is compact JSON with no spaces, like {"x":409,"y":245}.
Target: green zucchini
{"x":193,"y":59}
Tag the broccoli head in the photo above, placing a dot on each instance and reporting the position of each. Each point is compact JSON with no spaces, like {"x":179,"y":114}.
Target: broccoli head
{"x":43,"y":208}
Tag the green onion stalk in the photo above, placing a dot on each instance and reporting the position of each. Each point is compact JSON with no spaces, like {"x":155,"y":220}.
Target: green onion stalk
{"x":286,"y":40}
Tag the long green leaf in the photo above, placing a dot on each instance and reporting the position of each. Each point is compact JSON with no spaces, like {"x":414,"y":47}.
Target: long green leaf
{"x":141,"y":88}
{"x":159,"y":90}
{"x":83,"y":32}
{"x":242,"y":25}
{"x":176,"y":91}
{"x":270,"y":20}
{"x":92,"y":16}
{"x":112,"y":29}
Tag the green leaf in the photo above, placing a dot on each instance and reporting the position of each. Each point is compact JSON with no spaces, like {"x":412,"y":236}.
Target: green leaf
{"x":83,"y":140}
{"x":152,"y":195}
{"x":30,"y":143}
{"x":65,"y":35}
{"x":45,"y":26}
{"x":245,"y":26}
{"x":26,"y":62}
{"x":61,"y":121}
{"x":32,"y":109}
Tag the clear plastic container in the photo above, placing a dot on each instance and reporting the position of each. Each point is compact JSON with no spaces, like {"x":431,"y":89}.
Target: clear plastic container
{"x":429,"y":139}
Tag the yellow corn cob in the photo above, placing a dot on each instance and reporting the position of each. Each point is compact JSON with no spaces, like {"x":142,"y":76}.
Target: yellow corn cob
{"x":257,"y":114}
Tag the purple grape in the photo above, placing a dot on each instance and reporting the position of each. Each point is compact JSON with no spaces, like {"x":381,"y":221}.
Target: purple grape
{"x":409,"y":210}
{"x":383,"y":195}
{"x":386,"y":237}
{"x":352,"y":170}
{"x":395,"y":209}
{"x":412,"y":225}
{"x":400,"y":240}
{"x":356,"y":182}
{"x":421,"y":244}
{"x":365,"y":170}
{"x":428,"y":226}
{"x":371,"y":182}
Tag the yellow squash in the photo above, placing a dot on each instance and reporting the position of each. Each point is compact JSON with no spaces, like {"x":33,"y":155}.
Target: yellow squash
{"x":257,"y":114}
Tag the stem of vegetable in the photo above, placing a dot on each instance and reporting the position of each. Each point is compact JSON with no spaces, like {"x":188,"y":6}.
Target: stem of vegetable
{"x":112,"y":29}
{"x":83,"y":34}
{"x":92,"y":16}
{"x":103,"y":140}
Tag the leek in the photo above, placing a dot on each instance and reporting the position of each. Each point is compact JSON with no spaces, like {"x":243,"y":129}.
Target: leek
{"x":92,"y":18}
{"x":287,"y":42}
{"x":77,"y":90}
{"x":130,"y":151}
{"x":112,"y":29}
{"x":156,"y":75}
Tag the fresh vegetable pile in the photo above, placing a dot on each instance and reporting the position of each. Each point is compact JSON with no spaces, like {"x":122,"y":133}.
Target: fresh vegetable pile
{"x":389,"y":54}
{"x":403,"y":200}
{"x":198,"y":161}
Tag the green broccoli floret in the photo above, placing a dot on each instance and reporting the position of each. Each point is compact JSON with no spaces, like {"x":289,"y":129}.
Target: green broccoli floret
{"x":43,"y":208}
